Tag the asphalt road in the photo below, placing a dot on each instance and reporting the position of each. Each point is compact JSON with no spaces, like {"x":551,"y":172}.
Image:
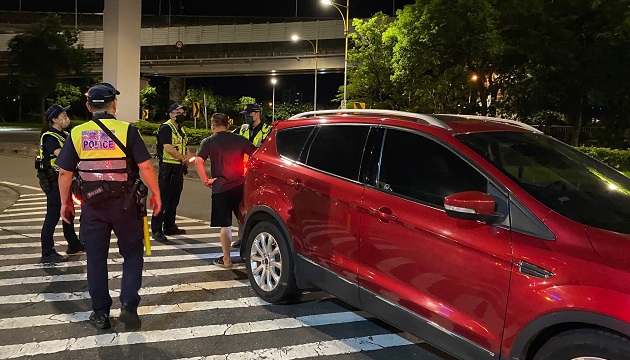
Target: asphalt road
{"x":189,"y":308}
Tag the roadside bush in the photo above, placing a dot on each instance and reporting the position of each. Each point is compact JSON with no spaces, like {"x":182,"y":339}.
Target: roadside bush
{"x":619,"y":159}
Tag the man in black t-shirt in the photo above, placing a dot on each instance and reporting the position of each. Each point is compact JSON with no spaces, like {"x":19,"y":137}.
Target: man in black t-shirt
{"x":226,"y":152}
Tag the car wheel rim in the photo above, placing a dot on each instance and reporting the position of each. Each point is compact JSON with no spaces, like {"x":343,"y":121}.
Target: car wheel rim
{"x":266,"y":261}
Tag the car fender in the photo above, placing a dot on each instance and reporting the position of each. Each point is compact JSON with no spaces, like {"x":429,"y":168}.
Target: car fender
{"x":533,"y":329}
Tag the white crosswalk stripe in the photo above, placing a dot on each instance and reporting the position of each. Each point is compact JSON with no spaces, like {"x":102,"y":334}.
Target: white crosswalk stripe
{"x":47,"y":306}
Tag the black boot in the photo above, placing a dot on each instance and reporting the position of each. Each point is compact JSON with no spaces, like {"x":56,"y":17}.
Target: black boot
{"x":100,"y":321}
{"x":129,"y":316}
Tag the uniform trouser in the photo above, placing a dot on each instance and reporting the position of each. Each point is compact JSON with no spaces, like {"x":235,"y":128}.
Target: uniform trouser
{"x":97,"y":223}
{"x":171,"y":183}
{"x":53,"y":209}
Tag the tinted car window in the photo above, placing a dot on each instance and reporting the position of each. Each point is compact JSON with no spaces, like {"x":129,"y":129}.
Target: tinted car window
{"x":338,"y":149}
{"x":290,"y":142}
{"x":422,"y":169}
{"x":562,"y":178}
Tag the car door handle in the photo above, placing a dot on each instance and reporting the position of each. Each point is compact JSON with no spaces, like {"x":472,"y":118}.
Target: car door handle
{"x":384,"y":214}
{"x":296,"y":184}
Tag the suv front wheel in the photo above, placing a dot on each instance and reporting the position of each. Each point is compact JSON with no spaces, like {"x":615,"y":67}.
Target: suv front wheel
{"x":270,"y":264}
{"x":585,"y":344}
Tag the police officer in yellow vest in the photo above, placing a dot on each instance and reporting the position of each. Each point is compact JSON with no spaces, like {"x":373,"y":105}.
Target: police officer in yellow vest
{"x":50,"y":143}
{"x":253,"y":128}
{"x":173,"y":154}
{"x":108,"y":174}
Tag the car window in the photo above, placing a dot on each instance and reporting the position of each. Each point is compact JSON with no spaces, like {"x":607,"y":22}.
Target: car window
{"x":337,"y":149}
{"x":290,"y":142}
{"x":422,"y":169}
{"x":564,"y":179}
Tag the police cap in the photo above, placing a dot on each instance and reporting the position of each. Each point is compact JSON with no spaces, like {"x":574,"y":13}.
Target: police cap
{"x":101,"y":94}
{"x":250,"y":108}
{"x":54,"y":111}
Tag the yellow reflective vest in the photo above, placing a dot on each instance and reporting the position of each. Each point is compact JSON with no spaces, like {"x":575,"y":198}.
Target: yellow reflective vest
{"x":179,"y":140}
{"x":100,"y":157}
{"x":258,"y":139}
{"x":52,"y":156}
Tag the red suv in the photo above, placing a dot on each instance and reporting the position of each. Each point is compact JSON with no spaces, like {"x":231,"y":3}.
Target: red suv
{"x":480,"y":235}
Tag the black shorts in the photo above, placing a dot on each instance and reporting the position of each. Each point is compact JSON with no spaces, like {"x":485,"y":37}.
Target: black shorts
{"x":224,"y":205}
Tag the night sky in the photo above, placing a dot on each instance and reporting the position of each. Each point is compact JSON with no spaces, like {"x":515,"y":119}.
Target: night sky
{"x":255,"y":86}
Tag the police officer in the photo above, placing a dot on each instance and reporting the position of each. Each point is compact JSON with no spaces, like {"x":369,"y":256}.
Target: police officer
{"x":173,"y":155}
{"x":255,"y":131}
{"x":50,"y":144}
{"x":253,"y":128}
{"x":107,"y":173}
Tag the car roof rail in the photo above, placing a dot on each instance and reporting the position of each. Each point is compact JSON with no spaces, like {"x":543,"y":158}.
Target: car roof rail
{"x":427,"y":119}
{"x":501,"y":121}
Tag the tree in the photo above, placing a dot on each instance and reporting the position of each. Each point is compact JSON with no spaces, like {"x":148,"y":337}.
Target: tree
{"x":65,"y":94}
{"x":150,"y":99}
{"x":45,"y":51}
{"x":440,"y":45}
{"x":574,"y":60}
{"x":370,"y":80}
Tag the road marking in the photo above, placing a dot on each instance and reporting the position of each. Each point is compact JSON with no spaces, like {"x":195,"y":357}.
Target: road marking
{"x":2,"y":182}
{"x":84,"y":295}
{"x":36,"y":236}
{"x":33,"y":195}
{"x":41,"y":219}
{"x":76,"y":226}
{"x":60,"y":319}
{"x":154,"y":336}
{"x":115,"y":250}
{"x":114,"y":274}
{"x":78,"y":211}
{"x":116,"y":261}
{"x":321,"y":348}
{"x":31,"y":200}
{"x":24,"y":209}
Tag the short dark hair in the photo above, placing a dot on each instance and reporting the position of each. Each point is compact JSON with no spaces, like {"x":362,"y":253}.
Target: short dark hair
{"x":101,"y":107}
{"x":219,"y":119}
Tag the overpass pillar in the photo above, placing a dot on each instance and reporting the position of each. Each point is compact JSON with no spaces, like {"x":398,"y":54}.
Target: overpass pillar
{"x":176,"y":89}
{"x":121,"y":54}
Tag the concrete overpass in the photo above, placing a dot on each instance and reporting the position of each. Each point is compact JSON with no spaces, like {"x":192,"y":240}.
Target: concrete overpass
{"x":224,"y":49}
{"x":126,"y":50}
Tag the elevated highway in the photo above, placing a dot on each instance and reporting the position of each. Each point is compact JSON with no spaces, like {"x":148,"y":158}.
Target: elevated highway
{"x":220,"y":49}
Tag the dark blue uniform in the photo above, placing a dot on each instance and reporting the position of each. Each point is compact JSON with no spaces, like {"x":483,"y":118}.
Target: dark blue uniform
{"x":98,"y":221}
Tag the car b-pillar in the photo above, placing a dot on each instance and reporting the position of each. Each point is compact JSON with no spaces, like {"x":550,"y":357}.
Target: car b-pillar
{"x":121,"y":54}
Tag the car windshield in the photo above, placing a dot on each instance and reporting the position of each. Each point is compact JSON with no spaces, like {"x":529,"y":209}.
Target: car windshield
{"x":564,"y":179}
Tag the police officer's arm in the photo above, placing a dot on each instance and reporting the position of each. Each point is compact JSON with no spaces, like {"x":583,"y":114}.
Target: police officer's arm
{"x":166,"y":135}
{"x":67,"y":207}
{"x":143,"y":159}
{"x":67,"y":162}
{"x":150,"y":179}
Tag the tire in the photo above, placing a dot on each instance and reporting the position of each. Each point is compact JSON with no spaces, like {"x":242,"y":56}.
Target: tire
{"x":585,"y":344}
{"x":270,"y":265}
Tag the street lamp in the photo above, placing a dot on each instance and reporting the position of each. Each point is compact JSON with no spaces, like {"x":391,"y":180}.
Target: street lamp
{"x":315,"y":51}
{"x":274,"y":81}
{"x":345,"y":19}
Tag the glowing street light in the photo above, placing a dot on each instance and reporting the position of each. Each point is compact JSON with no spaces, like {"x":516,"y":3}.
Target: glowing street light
{"x":274,"y":81}
{"x":346,"y":20}
{"x":315,"y":51}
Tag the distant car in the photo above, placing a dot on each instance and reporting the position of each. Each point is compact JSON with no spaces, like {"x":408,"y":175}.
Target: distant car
{"x":480,"y":235}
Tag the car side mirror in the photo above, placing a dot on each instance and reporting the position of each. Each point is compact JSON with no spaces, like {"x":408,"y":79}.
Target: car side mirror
{"x":471,"y":205}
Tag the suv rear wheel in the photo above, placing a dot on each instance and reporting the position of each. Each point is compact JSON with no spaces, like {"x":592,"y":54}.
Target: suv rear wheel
{"x":585,"y":344}
{"x":270,"y":264}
